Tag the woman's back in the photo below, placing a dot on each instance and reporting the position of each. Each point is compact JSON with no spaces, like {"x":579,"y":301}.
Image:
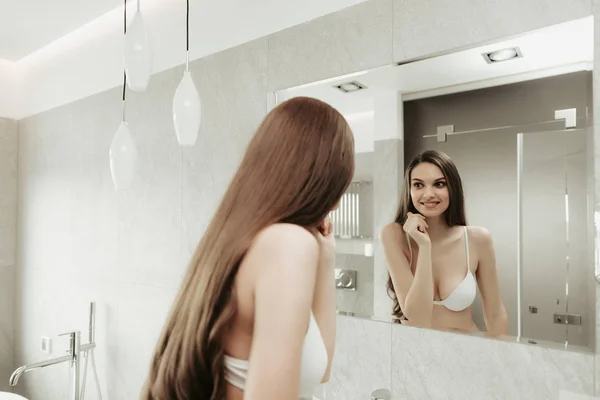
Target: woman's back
{"x":270,"y":255}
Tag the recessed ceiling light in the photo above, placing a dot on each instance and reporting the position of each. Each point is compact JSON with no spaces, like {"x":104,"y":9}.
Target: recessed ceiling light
{"x":349,"y":87}
{"x":502,"y":55}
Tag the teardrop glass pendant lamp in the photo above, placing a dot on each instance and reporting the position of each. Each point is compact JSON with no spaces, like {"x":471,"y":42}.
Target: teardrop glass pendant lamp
{"x":187,"y":106}
{"x":123,"y":153}
{"x":123,"y":158}
{"x":137,"y":53}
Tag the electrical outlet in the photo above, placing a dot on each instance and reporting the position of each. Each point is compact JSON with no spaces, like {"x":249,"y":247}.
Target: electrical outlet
{"x":46,"y":345}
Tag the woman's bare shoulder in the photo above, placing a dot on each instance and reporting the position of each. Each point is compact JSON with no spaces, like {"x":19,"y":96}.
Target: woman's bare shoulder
{"x":281,"y":239}
{"x":286,"y":252}
{"x":480,"y":235}
{"x":393,"y":234}
{"x":393,"y":231}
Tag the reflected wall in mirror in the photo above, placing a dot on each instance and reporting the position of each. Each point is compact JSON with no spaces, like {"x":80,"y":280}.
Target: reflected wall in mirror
{"x":514,"y":118}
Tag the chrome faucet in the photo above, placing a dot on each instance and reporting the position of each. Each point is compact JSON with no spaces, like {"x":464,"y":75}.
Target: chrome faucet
{"x":73,"y":358}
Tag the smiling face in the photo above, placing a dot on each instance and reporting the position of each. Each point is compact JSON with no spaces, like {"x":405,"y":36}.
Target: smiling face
{"x":429,"y":190}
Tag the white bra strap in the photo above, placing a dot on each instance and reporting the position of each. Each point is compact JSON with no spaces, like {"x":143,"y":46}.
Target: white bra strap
{"x":409,"y":249}
{"x":467,"y":250}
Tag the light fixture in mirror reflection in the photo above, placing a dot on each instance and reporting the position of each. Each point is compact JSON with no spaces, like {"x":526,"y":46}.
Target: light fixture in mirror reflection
{"x":528,"y":278}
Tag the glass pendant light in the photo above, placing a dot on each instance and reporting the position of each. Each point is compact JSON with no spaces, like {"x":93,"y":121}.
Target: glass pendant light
{"x":187,"y":107}
{"x":137,"y":53}
{"x":123,"y":152}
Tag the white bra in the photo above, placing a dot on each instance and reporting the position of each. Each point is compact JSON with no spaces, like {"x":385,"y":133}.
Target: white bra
{"x":464,"y":294}
{"x":312,"y":370}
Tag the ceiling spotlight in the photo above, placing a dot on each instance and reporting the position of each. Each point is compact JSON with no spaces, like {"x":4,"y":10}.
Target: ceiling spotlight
{"x":350,"y":87}
{"x":502,"y":55}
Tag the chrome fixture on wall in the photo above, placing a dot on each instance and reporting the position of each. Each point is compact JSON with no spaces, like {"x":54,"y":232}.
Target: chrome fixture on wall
{"x":345,"y":279}
{"x":73,"y":357}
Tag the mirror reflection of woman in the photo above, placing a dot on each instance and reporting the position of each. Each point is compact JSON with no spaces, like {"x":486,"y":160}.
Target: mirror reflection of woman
{"x":255,"y":316}
{"x":435,"y":261}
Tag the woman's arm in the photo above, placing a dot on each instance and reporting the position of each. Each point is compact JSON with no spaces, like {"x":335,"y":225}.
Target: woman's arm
{"x":415,"y":293}
{"x":324,"y":301}
{"x":324,"y":311}
{"x":286,"y":258}
{"x":494,"y":312}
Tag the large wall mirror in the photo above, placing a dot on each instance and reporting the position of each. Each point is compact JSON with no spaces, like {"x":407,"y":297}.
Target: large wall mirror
{"x":514,"y":117}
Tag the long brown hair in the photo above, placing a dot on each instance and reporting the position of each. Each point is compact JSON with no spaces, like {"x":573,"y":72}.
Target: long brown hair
{"x":296,"y":168}
{"x":454,"y":215}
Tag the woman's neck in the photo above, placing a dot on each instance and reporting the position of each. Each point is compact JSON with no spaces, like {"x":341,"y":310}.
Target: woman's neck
{"x":437,"y":227}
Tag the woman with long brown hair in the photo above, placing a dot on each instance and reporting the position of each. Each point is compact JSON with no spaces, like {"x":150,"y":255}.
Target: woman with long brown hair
{"x":255,"y":316}
{"x":435,"y":261}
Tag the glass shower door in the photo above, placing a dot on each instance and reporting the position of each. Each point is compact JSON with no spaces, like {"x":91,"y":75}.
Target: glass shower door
{"x":554,"y":179}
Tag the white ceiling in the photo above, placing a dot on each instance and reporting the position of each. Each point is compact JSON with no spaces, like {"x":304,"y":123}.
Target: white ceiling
{"x":549,"y":51}
{"x":46,"y":21}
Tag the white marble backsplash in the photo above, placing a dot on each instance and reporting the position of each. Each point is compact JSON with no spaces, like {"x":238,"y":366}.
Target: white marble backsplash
{"x":417,"y":364}
{"x":434,"y":365}
{"x":362,"y":361}
{"x":566,"y":395}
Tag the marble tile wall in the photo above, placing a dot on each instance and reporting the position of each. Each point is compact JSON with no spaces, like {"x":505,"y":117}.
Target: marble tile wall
{"x":362,"y":361}
{"x":350,"y":40}
{"x":79,"y":241}
{"x":567,"y":395}
{"x":8,"y":236}
{"x":389,"y":170}
{"x":596,"y":139}
{"x":426,"y":27}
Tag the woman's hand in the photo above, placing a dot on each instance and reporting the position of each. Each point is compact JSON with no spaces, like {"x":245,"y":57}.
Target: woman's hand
{"x":416,"y":227}
{"x":324,"y":234}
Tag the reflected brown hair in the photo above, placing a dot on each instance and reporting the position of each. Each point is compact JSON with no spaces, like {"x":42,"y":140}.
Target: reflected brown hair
{"x":454,"y":215}
{"x":296,"y":168}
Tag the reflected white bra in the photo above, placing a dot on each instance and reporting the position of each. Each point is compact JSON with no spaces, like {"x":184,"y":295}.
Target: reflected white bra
{"x":312,"y":370}
{"x":464,"y":294}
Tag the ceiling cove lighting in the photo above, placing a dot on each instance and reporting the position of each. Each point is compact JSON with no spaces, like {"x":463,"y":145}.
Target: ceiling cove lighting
{"x":496,"y":56}
{"x":349,"y":87}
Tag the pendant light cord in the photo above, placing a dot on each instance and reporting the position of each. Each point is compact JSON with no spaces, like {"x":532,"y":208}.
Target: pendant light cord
{"x":187,"y":26}
{"x":124,"y":33}
{"x":187,"y":36}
